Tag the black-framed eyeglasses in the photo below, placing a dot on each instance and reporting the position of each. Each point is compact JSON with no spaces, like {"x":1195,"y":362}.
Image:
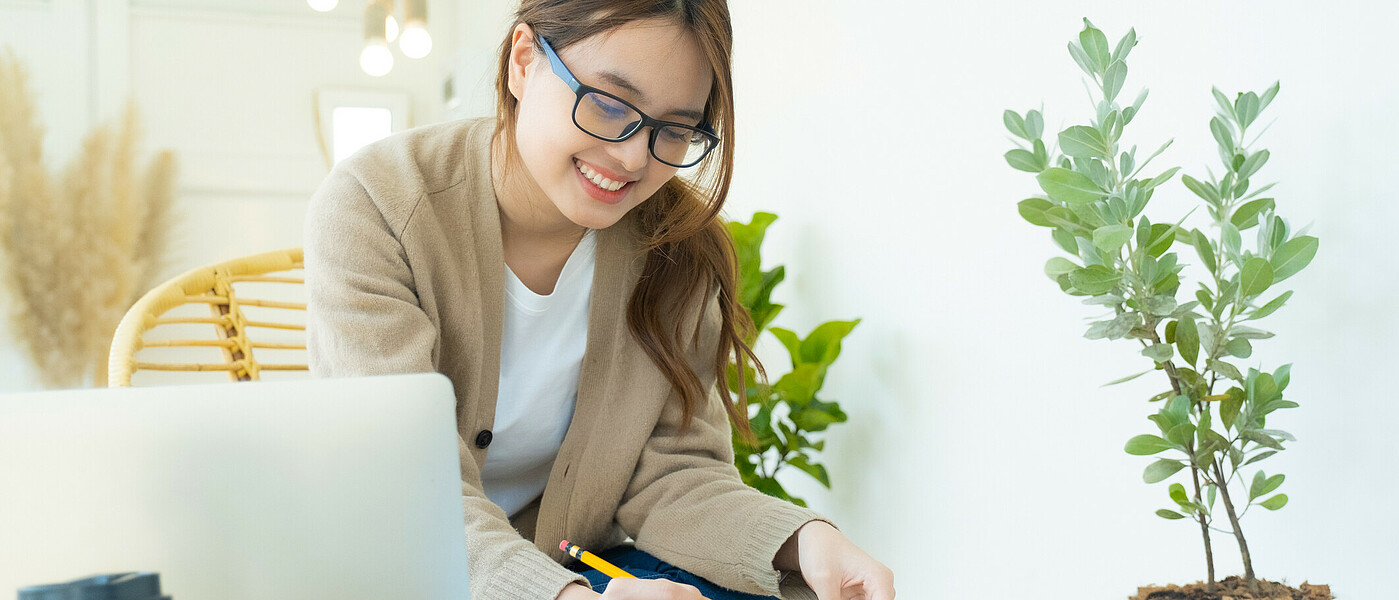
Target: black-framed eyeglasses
{"x":612,"y":119}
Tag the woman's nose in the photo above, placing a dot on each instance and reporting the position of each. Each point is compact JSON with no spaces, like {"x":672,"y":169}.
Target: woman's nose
{"x":633,"y":152}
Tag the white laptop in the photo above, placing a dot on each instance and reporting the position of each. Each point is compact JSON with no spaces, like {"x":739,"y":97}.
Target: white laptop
{"x":330,"y":488}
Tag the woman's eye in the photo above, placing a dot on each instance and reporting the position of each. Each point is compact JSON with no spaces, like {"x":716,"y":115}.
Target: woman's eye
{"x":608,"y":107}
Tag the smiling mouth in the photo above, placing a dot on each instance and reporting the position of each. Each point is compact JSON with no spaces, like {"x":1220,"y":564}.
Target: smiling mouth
{"x":597,"y":178}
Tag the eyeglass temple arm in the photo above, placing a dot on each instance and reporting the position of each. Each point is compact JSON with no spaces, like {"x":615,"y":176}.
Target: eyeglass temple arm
{"x":557,"y":65}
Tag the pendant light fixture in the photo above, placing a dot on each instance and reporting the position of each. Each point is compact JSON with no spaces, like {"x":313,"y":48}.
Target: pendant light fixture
{"x":381,"y":28}
{"x":376,"y":59}
{"x":415,"y":43}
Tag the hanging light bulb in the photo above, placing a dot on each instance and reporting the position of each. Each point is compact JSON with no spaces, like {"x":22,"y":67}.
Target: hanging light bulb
{"x":415,"y":42}
{"x":323,"y":5}
{"x":390,"y":29}
{"x":376,"y":59}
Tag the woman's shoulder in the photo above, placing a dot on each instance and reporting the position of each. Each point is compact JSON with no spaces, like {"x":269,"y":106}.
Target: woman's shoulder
{"x":392,"y":175}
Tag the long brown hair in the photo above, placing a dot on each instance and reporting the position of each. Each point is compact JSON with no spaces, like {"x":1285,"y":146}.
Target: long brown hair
{"x":690,"y":255}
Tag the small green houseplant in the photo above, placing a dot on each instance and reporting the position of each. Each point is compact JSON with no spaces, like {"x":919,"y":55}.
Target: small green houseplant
{"x":786,"y":415}
{"x":1211,"y":428}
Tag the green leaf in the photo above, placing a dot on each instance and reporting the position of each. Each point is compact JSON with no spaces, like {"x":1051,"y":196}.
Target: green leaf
{"x":1162,"y":178}
{"x":1034,"y":124}
{"x":1261,"y":439}
{"x":1015,"y":124}
{"x":1023,"y":160}
{"x":1158,"y":352}
{"x":1083,"y":142}
{"x":1247,"y":215}
{"x":1225,"y":369}
{"x":1202,"y":190}
{"x":1271,"y":307}
{"x":1257,"y":276}
{"x":1127,"y":378}
{"x":1095,"y":46}
{"x":1205,"y":249}
{"x":1065,"y":240}
{"x":799,"y":386}
{"x":1225,"y":105}
{"x":1124,"y":45}
{"x":1260,"y":456}
{"x":1059,"y":266}
{"x":1094,"y":280}
{"x":1239,"y":347}
{"x":1068,"y":186}
{"x":1161,"y":470}
{"x":1247,"y":108}
{"x":1146,"y":445}
{"x":1113,"y":79}
{"x":816,"y":471}
{"x":1177,"y":493}
{"x":1253,"y":163}
{"x":1110,"y":238}
{"x":790,"y":340}
{"x":1162,"y":236}
{"x":1180,"y":434}
{"x":1275,"y":502}
{"x":822,"y":345}
{"x":1293,"y":256}
{"x":1187,"y":340}
{"x":1262,"y":485}
{"x":1267,"y":97}
{"x":1169,"y":514}
{"x":1229,"y":407}
{"x":1160,"y":306}
{"x":1222,"y":135}
{"x":1082,"y":59}
{"x":817,"y":415}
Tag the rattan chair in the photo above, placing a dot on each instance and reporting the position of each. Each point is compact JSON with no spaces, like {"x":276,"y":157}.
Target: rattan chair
{"x":230,"y":325}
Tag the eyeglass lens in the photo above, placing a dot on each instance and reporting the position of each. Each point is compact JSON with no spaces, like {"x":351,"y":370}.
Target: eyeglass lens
{"x":606,"y":117}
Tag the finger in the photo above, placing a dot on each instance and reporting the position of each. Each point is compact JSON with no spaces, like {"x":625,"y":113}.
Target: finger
{"x":881,"y":586}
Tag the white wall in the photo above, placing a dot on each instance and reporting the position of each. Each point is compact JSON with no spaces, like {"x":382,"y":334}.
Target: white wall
{"x":226,"y":85}
{"x":982,"y":459}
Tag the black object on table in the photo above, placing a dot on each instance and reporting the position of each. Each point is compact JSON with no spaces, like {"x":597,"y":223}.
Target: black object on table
{"x":115,"y":586}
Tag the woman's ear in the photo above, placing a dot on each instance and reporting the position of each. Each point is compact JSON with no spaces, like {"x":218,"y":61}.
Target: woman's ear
{"x":522,"y":57}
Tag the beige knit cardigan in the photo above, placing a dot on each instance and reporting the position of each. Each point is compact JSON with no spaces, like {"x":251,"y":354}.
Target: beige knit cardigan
{"x":405,"y":273}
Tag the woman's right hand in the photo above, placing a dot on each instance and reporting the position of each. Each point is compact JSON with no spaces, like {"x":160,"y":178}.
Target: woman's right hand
{"x":627,"y":588}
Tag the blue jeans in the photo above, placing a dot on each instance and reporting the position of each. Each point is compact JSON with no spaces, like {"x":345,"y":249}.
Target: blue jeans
{"x":645,"y":566}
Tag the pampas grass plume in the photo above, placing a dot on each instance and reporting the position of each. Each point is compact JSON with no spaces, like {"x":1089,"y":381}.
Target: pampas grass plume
{"x":75,"y":256}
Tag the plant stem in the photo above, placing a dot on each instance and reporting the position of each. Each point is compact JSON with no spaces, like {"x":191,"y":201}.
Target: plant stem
{"x":1194,"y":470}
{"x":1238,"y":532}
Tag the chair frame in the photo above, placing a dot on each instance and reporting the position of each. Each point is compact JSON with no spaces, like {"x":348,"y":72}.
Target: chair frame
{"x":211,"y":285}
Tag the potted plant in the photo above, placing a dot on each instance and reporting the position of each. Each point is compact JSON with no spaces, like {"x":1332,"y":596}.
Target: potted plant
{"x":784,"y":416}
{"x":1211,"y":429}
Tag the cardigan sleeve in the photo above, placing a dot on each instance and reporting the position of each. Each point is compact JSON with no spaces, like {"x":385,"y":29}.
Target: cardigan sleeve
{"x":364,"y":318}
{"x":687,"y":504}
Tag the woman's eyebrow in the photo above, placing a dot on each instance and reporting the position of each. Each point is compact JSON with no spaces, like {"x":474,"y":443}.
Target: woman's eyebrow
{"x":620,"y":81}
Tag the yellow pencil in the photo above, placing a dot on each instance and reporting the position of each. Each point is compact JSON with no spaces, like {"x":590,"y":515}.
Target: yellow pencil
{"x":593,"y":561}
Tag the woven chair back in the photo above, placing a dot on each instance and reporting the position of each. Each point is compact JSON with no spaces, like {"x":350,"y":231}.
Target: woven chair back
{"x":249,"y":311}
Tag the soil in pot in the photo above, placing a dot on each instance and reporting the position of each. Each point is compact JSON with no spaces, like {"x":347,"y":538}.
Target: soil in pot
{"x":1233,"y":588}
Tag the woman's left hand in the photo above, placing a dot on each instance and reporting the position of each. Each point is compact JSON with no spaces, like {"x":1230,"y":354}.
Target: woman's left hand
{"x":834,"y":567}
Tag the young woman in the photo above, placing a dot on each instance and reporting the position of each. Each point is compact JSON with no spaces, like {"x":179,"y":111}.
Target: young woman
{"x":580,"y":296}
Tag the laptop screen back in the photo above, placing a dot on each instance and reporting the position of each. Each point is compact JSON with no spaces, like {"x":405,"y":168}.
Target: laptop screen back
{"x":345,"y":488}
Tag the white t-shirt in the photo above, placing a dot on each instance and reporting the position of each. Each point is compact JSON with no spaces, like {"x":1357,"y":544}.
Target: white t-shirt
{"x":541,"y":351}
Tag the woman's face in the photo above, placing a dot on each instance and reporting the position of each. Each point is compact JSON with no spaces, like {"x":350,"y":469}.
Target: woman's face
{"x":656,"y":66}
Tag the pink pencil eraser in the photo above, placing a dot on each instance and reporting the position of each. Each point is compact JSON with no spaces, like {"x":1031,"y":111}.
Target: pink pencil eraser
{"x":563,"y":545}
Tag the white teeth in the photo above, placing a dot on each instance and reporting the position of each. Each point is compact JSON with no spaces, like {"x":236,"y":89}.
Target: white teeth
{"x":599,"y":180}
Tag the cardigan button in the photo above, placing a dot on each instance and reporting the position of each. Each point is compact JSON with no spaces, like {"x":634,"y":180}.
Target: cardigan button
{"x":483,"y":439}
